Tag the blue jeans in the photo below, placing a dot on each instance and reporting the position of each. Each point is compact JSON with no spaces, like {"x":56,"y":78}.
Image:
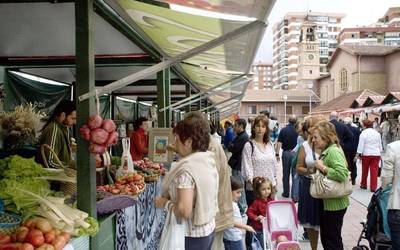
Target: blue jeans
{"x":394,"y":225}
{"x":199,"y":243}
{"x":233,"y":245}
{"x":287,"y":157}
{"x":242,"y":201}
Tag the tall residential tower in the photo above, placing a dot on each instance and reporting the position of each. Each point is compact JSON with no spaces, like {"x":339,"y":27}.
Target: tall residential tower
{"x":286,"y":38}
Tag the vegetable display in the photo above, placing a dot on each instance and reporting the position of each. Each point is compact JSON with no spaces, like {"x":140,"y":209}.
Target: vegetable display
{"x":131,"y":184}
{"x":100,"y":133}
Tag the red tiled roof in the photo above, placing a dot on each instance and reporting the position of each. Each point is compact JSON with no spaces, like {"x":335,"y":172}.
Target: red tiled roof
{"x":343,"y":102}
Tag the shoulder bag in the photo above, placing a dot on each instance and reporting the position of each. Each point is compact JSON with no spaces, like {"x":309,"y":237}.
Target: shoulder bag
{"x":324,"y":188}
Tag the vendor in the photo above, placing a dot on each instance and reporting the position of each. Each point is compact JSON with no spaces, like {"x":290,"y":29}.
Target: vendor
{"x":139,"y":139}
{"x":56,"y":134}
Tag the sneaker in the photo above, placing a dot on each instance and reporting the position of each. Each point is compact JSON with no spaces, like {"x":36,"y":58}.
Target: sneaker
{"x":302,"y":238}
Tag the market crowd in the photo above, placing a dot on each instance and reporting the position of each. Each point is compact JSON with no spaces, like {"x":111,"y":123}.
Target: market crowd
{"x":226,"y":174}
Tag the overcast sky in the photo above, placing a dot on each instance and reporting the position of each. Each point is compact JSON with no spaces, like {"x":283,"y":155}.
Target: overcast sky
{"x":358,"y":12}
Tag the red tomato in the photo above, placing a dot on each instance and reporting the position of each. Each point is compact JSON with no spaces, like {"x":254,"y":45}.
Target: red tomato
{"x":49,"y":237}
{"x":4,"y":239}
{"x":26,"y":246}
{"x":37,"y":240}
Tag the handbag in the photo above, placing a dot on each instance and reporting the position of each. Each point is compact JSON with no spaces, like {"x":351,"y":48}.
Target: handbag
{"x":173,"y":234}
{"x":324,"y":188}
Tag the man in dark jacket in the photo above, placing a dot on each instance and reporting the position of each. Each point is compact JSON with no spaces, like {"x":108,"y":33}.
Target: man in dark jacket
{"x":350,"y":156}
{"x":343,"y":132}
{"x":235,"y":162}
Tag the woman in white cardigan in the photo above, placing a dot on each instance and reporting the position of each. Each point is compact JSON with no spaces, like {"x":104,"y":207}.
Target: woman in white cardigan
{"x":391,"y":176}
{"x":190,"y":189}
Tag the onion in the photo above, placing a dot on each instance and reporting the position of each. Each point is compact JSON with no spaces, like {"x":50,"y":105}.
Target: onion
{"x":108,"y":125}
{"x":85,"y":132}
{"x":95,"y":121}
{"x":98,"y":136}
{"x":112,"y":139}
{"x":96,"y":148}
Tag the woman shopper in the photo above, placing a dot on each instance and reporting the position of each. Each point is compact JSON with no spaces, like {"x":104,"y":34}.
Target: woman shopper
{"x":139,"y":139}
{"x":190,"y":189}
{"x":369,"y":150}
{"x":333,"y":165}
{"x":309,"y":207}
{"x":258,"y":157}
{"x":56,"y":134}
{"x":391,"y":176}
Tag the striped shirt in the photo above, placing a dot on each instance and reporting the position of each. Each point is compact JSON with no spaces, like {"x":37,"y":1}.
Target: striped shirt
{"x":186,"y":181}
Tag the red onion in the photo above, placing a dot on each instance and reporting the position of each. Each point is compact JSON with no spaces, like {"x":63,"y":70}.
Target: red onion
{"x":98,"y":136}
{"x":95,"y":121}
{"x":108,"y":125}
{"x":85,"y":132}
{"x":112,"y":139}
{"x":96,"y":148}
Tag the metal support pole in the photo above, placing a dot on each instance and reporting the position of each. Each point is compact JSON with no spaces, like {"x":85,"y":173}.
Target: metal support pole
{"x":285,"y":99}
{"x":85,"y":81}
{"x":230,"y":99}
{"x":310,"y":102}
{"x":168,"y":63}
{"x":188,"y":92}
{"x":164,"y":98}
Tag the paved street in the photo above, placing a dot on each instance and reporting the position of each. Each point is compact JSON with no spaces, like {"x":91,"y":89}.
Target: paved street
{"x":356,"y":213}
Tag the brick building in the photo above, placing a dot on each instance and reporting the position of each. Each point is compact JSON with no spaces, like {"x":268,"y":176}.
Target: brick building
{"x":358,"y":67}
{"x":262,"y":78}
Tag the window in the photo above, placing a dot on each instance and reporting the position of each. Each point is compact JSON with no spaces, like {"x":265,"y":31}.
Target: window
{"x":253,"y":110}
{"x":343,"y":80}
{"x":305,"y":109}
{"x":310,"y":72}
{"x":289,"y":110}
{"x":270,"y":109}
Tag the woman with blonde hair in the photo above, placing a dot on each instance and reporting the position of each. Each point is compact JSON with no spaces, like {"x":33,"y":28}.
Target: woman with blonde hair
{"x":309,"y":207}
{"x":333,"y":165}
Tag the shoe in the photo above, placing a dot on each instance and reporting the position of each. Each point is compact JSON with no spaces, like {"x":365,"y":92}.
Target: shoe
{"x":362,"y":187}
{"x":285,"y":195}
{"x":302,"y":238}
{"x":373,"y":191}
{"x":353,"y":182}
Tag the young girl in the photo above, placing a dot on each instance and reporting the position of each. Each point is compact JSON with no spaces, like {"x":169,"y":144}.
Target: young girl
{"x":233,"y":236}
{"x":264,"y":192}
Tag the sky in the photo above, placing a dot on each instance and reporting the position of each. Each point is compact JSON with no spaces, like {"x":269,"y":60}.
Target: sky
{"x":358,"y":13}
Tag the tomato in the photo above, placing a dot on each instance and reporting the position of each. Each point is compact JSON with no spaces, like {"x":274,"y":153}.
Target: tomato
{"x":10,"y":246}
{"x":43,"y":225}
{"x":26,"y":246}
{"x":22,"y":232}
{"x":59,"y":243}
{"x":49,"y":236}
{"x":4,"y":239}
{"x":31,"y":223}
{"x":37,"y":240}
{"x":66,"y":236}
{"x":45,"y":247}
{"x":115,"y":191}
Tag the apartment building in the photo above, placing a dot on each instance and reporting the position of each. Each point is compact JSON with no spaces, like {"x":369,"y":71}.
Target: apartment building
{"x":385,"y":32}
{"x":262,"y":78}
{"x":286,"y":36}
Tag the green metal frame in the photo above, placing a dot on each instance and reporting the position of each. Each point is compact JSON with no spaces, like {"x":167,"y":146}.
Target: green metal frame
{"x":164,"y":97}
{"x":86,"y":179}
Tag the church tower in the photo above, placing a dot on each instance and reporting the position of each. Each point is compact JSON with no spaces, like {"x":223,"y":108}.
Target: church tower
{"x":308,"y":68}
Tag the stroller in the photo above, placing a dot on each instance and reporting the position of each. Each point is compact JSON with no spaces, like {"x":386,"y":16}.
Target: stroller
{"x":375,"y":228}
{"x":281,"y":220}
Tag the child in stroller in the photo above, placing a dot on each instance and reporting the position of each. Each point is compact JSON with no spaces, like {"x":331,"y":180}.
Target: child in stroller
{"x":280,"y":226}
{"x":375,"y":228}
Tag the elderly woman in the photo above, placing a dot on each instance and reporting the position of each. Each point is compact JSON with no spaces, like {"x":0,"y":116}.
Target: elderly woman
{"x":369,"y":149}
{"x":333,"y":165}
{"x":191,"y":187}
{"x":309,"y":207}
{"x":391,"y":176}
{"x":258,"y":156}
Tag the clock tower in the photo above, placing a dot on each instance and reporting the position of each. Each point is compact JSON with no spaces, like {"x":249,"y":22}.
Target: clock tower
{"x":308,"y":68}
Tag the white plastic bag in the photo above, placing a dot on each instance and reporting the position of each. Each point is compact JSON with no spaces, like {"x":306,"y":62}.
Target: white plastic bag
{"x":126,"y":159}
{"x":173,"y":234}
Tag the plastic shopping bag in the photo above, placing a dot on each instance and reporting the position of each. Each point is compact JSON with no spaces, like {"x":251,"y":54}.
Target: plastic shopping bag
{"x":255,"y":243}
{"x":173,"y":234}
{"x":126,"y":159}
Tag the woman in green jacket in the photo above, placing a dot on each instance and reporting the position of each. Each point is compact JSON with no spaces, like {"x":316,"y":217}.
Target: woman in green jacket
{"x":333,"y":165}
{"x":56,"y":134}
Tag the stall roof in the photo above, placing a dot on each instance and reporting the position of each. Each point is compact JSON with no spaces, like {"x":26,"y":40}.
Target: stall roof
{"x":373,"y":100}
{"x":175,"y":32}
{"x":392,"y":97}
